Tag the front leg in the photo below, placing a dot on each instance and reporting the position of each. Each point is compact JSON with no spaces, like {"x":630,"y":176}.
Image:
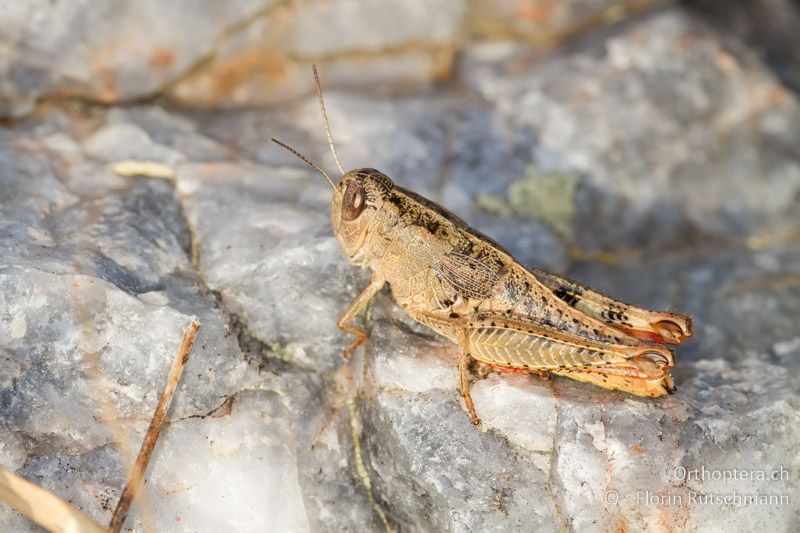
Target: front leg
{"x":345,"y":321}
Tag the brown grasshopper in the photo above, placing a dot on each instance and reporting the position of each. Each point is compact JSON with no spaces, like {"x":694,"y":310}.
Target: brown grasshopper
{"x":466,"y":287}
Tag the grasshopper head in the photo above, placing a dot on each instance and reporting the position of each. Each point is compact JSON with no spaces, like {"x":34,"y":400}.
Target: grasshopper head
{"x":357,"y":198}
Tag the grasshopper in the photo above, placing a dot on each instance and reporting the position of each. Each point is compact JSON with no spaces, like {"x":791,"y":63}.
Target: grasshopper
{"x":467,"y":288}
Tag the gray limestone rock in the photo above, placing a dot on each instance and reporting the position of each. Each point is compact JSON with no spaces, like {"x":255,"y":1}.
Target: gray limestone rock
{"x":669,"y":124}
{"x":655,"y":160}
{"x":109,"y":52}
{"x":220,"y":54}
{"x":96,"y":287}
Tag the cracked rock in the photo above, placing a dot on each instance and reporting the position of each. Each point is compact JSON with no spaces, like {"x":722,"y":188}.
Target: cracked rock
{"x":659,"y":156}
{"x":111,"y":52}
{"x":661,"y":160}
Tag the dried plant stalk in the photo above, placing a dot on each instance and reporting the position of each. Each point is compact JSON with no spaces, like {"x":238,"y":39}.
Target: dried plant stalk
{"x":148,"y":169}
{"x":43,"y":507}
{"x":157,"y":422}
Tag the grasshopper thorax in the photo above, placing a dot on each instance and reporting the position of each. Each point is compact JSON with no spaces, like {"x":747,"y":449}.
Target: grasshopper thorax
{"x":358,"y":197}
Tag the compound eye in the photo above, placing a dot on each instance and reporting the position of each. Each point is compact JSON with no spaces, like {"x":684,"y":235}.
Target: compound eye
{"x":354,"y":202}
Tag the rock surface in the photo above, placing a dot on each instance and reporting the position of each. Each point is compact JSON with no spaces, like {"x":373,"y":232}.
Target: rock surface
{"x":661,"y":159}
{"x":110,"y":52}
{"x":255,"y":52}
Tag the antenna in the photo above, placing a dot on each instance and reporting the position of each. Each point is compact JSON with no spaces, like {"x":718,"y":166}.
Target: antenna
{"x":325,"y":118}
{"x":304,"y":158}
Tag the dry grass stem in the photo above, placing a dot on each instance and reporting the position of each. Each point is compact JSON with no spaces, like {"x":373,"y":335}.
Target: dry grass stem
{"x":156,"y":424}
{"x":43,"y":507}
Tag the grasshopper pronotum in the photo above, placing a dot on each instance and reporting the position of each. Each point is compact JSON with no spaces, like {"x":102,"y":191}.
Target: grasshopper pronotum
{"x":469,"y":289}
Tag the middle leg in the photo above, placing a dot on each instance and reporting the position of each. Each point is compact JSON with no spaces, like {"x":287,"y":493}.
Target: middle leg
{"x":463,"y":368}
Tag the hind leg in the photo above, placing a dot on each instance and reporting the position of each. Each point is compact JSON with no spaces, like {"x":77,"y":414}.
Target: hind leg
{"x":515,"y":342}
{"x":652,"y":388}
